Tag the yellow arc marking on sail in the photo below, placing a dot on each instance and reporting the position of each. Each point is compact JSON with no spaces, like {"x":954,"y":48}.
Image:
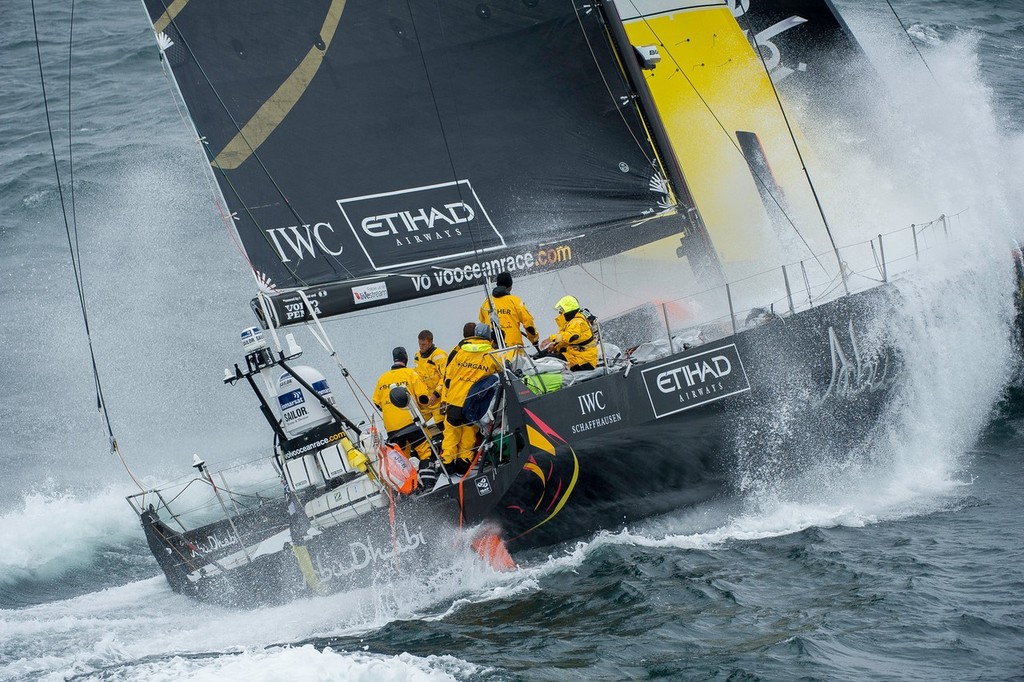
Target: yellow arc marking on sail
{"x":265,"y":121}
{"x":167,"y":17}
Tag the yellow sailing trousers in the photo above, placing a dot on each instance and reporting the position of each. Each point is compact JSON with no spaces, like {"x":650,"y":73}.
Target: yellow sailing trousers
{"x":459,"y":442}
{"x":421,"y":450}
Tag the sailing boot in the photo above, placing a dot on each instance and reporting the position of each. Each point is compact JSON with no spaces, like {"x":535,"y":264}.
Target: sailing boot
{"x":428,"y":475}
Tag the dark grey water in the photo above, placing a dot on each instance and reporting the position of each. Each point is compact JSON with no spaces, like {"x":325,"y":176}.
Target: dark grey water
{"x":905,"y":564}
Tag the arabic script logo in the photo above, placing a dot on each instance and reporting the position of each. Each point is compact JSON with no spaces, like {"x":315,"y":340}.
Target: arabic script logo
{"x":853,"y":377}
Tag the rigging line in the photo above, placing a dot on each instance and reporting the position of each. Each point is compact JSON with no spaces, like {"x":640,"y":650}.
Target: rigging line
{"x":254,"y":154}
{"x":71,"y":156}
{"x":245,"y":207}
{"x":222,"y":209}
{"x":729,"y":136}
{"x":63,"y":206}
{"x":800,"y":155}
{"x":608,"y":88}
{"x":583,"y":268}
{"x":477,"y":251}
{"x":912,"y":42}
{"x":72,"y":243}
{"x":208,"y":153}
{"x":325,"y":341}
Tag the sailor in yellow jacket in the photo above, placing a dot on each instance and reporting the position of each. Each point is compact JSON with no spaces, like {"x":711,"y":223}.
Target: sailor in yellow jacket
{"x":512,"y":313}
{"x":398,"y":418}
{"x":575,"y":340}
{"x":469,"y":362}
{"x":430,"y":364}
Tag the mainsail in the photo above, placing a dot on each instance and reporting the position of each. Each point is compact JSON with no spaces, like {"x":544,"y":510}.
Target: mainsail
{"x":374,"y":151}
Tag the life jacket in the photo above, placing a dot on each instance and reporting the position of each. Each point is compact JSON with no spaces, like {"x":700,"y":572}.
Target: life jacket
{"x":397,"y":471}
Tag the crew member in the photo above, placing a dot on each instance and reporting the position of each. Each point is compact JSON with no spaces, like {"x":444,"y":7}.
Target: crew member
{"x":472,"y":360}
{"x":430,"y":364}
{"x":468,"y":332}
{"x":398,"y":418}
{"x":512,"y":313}
{"x":575,"y":341}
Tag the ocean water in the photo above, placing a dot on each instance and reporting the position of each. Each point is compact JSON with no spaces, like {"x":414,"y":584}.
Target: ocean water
{"x":906,"y":562}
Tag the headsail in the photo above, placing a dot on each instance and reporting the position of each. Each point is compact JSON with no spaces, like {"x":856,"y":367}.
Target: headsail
{"x":373,"y":151}
{"x":725,"y":125}
{"x":807,"y":44}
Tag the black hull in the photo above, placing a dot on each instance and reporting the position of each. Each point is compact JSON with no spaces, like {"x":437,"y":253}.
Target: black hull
{"x":344,"y":557}
{"x":596,"y":455}
{"x":807,"y":394}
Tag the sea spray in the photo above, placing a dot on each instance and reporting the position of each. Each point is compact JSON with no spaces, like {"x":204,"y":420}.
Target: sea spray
{"x":930,"y":148}
{"x":53,"y":534}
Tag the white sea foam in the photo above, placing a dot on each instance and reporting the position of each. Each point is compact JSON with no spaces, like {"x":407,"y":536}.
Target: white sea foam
{"x":53,"y":533}
{"x":271,"y":664}
{"x":115,"y":628}
{"x":305,"y":662}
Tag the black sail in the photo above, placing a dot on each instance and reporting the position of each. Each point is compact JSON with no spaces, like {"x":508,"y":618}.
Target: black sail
{"x":810,"y":51}
{"x":373,"y":151}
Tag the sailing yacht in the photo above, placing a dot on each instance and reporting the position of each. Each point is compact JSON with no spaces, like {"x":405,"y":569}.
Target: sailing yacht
{"x":374,"y":152}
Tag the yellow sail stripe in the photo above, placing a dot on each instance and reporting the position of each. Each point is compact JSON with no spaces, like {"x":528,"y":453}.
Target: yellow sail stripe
{"x":167,"y":17}
{"x":256,"y":131}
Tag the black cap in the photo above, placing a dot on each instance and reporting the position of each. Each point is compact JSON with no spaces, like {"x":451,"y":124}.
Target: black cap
{"x":399,"y":355}
{"x":504,"y":280}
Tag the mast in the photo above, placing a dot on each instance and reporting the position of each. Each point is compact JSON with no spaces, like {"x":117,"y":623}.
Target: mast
{"x":698,"y":249}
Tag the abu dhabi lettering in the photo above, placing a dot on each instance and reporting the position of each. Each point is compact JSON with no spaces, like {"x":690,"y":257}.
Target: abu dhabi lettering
{"x":853,"y":377}
{"x":362,"y":555}
{"x":212,"y":544}
{"x":763,"y":40}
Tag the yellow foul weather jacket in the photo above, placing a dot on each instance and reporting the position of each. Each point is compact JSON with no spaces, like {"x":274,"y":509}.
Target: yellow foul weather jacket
{"x":396,"y":418}
{"x":467,"y":364}
{"x":575,"y":340}
{"x":430,"y":367}
{"x":512,"y":314}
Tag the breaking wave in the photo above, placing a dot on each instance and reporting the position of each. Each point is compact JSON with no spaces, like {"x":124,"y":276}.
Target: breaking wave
{"x":55,"y":545}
